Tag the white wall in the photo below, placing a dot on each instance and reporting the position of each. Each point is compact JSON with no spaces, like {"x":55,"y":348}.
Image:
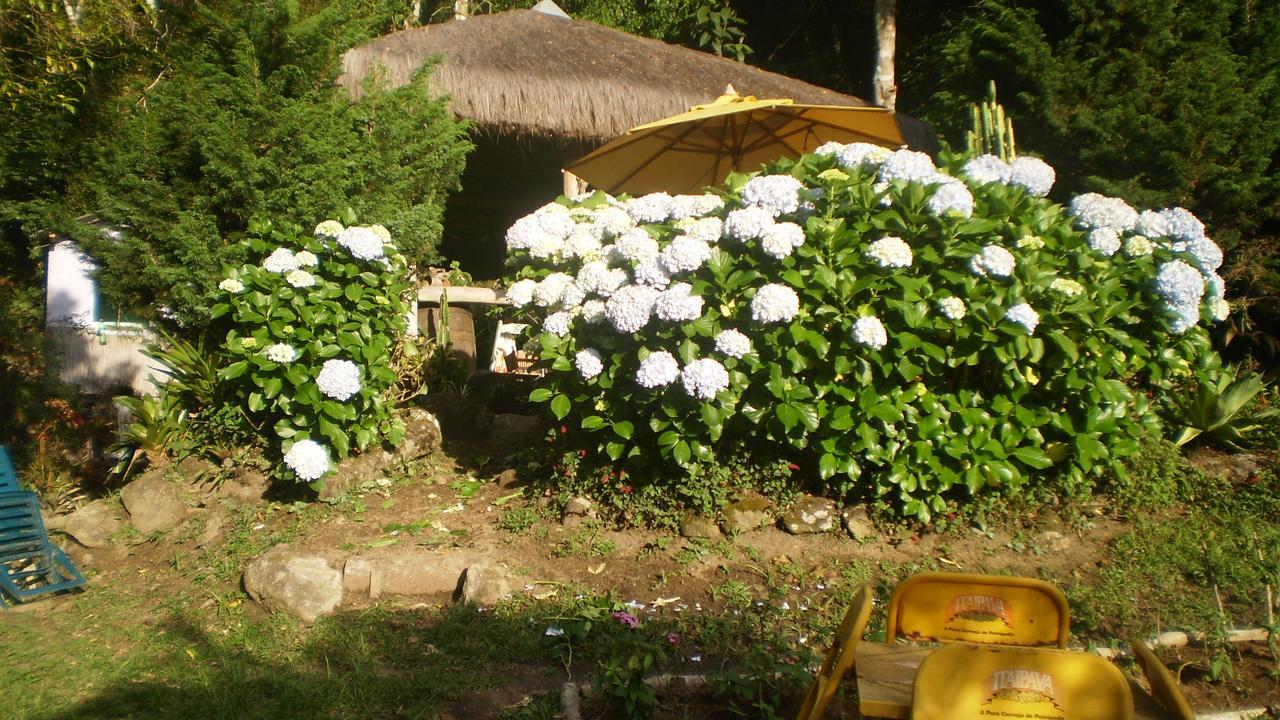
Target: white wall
{"x":69,"y":292}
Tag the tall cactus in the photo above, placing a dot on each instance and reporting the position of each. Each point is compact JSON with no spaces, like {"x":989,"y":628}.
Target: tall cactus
{"x":992,"y":132}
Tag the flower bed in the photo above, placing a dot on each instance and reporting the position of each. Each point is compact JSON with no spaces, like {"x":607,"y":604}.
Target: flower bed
{"x":907,"y":332}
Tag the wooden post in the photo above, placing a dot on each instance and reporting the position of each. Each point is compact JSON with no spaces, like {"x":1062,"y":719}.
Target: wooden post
{"x":461,"y":9}
{"x":885,"y":91}
{"x":573,"y":185}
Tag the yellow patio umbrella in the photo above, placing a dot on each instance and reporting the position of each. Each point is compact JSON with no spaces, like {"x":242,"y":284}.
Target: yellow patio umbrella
{"x":687,"y":152}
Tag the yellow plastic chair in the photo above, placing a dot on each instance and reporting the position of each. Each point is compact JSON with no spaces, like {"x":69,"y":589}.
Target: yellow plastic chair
{"x":983,"y":609}
{"x":981,"y":682}
{"x":1163,"y":685}
{"x":840,"y":658}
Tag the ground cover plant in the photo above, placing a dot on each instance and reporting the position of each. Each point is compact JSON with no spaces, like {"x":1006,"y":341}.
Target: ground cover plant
{"x":909,"y":333}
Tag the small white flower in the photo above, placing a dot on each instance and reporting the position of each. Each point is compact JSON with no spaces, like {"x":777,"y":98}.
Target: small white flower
{"x":231,"y":285}
{"x":708,"y":230}
{"x":1066,"y":287}
{"x":987,"y":169}
{"x":994,"y":261}
{"x":584,"y":240}
{"x":775,"y":303}
{"x":280,"y":261}
{"x":653,"y":273}
{"x":1093,"y":211}
{"x":521,"y":292}
{"x":614,"y":221}
{"x":777,"y":194}
{"x":859,"y":154}
{"x":597,"y":277}
{"x":329,"y":228}
{"x":383,"y":234}
{"x":362,"y":242}
{"x":781,"y":238}
{"x":306,"y":259}
{"x":677,"y":304}
{"x":951,"y":197}
{"x":1219,"y":309}
{"x":870,"y":331}
{"x":281,"y":353}
{"x":307,"y":459}
{"x":548,"y":291}
{"x":545,"y":246}
{"x":908,"y":165}
{"x":593,"y":311}
{"x":952,"y":308}
{"x":1033,"y":175}
{"x":300,"y":279}
{"x":695,"y":206}
{"x":1152,"y":224}
{"x":652,"y":208}
{"x":1206,"y":253}
{"x":657,"y":370}
{"x":339,"y":379}
{"x":572,"y":296}
{"x":1023,"y":315}
{"x":589,"y":363}
{"x":749,"y":223}
{"x":1104,"y":241}
{"x":704,"y":378}
{"x":525,"y":233}
{"x":555,"y":220}
{"x":558,"y":323}
{"x":630,"y":307}
{"x":1182,"y":225}
{"x":890,"y":252}
{"x":1137,"y":246}
{"x":733,"y":343}
{"x":637,"y":245}
{"x":685,"y":254}
{"x":1179,"y":284}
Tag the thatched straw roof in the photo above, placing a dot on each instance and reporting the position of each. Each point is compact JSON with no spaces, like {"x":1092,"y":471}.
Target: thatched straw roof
{"x":530,"y":73}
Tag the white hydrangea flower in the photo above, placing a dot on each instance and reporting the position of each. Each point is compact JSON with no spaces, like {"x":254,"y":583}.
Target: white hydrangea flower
{"x":749,"y":223}
{"x":307,"y":459}
{"x":987,"y":169}
{"x":1179,"y":284}
{"x":231,"y":285}
{"x":994,"y":261}
{"x":558,"y":323}
{"x":520,"y":293}
{"x":1104,"y":241}
{"x":1137,"y":246}
{"x":597,"y":277}
{"x":300,"y":279}
{"x":614,"y":221}
{"x":637,"y":245}
{"x":1092,"y":211}
{"x":1023,"y":315}
{"x":281,"y":260}
{"x":1033,"y":175}
{"x":593,"y":311}
{"x":651,"y":272}
{"x":695,"y":206}
{"x":869,"y":331}
{"x":545,"y":246}
{"x":775,"y":303}
{"x":779,"y":240}
{"x":589,"y":363}
{"x":704,"y":378}
{"x":525,"y":233}
{"x":362,"y":242}
{"x":1219,"y":309}
{"x":306,"y":259}
{"x":678,"y":304}
{"x":1206,"y":253}
{"x":281,"y":353}
{"x":861,"y":154}
{"x":685,"y":254}
{"x":572,"y":296}
{"x":657,"y":370}
{"x":952,"y":308}
{"x":890,"y":252}
{"x":555,"y":219}
{"x":548,"y":290}
{"x":338,"y":379}
{"x":1182,"y":225}
{"x":733,"y":343}
{"x":708,"y":230}
{"x":1184,"y":318}
{"x":1066,"y":287}
{"x":1029,"y":242}
{"x":778,"y":194}
{"x":1215,"y":288}
{"x":828,"y":148}
{"x":630,"y":307}
{"x":908,"y":165}
{"x":950,"y":196}
{"x":382,"y":233}
{"x":655,"y":207}
{"x":584,"y":240}
{"x":1152,"y":224}
{"x":330,"y":229}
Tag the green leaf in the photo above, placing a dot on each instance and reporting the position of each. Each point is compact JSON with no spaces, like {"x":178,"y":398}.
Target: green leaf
{"x":233,"y":371}
{"x":592,"y":422}
{"x":624,"y":429}
{"x":560,"y":406}
{"x":540,"y":395}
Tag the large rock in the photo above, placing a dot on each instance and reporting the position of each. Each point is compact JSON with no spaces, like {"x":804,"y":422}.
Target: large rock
{"x":1236,"y":469}
{"x":577,"y":511}
{"x":92,"y":525}
{"x":483,"y":584}
{"x":750,"y":512}
{"x":304,"y":584}
{"x":153,"y":503}
{"x":693,"y":525}
{"x":400,"y":571}
{"x":809,"y":514}
{"x":247,"y":486}
{"x":858,"y":524}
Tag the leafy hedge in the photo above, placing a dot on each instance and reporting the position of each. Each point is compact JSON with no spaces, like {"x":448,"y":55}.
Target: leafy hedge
{"x":904,"y":332}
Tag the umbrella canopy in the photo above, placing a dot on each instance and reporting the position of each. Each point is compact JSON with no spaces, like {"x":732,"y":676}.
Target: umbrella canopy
{"x":687,"y":152}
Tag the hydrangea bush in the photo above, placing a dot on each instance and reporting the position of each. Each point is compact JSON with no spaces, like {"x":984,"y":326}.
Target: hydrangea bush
{"x":905,"y":331}
{"x":311,"y":333}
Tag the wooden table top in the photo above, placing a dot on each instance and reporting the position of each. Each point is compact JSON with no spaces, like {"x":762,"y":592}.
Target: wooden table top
{"x":886,"y":674}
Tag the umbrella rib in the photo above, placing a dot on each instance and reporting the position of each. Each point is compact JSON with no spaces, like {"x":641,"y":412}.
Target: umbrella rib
{"x":638,"y":168}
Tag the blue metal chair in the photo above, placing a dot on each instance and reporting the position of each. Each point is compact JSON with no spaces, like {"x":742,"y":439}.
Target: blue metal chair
{"x":8,"y":475}
{"x":30,"y":565}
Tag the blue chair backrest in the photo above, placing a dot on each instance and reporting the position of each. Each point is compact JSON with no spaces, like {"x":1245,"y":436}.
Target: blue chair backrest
{"x":8,"y":474}
{"x":21,"y":529}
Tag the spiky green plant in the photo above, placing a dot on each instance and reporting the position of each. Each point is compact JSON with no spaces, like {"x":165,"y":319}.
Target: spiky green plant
{"x":992,"y":132}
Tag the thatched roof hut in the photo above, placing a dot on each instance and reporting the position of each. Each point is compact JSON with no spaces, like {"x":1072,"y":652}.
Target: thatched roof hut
{"x":529,"y":72}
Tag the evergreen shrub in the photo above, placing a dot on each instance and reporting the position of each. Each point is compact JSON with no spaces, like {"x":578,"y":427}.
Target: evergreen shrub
{"x":897,"y":331}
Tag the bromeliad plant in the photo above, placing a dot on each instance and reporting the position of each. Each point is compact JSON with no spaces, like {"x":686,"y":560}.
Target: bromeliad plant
{"x":310,"y":339}
{"x":909,"y":332}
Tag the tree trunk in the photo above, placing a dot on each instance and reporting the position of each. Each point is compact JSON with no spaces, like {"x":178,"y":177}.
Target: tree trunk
{"x":885,"y":92}
{"x":461,"y":9}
